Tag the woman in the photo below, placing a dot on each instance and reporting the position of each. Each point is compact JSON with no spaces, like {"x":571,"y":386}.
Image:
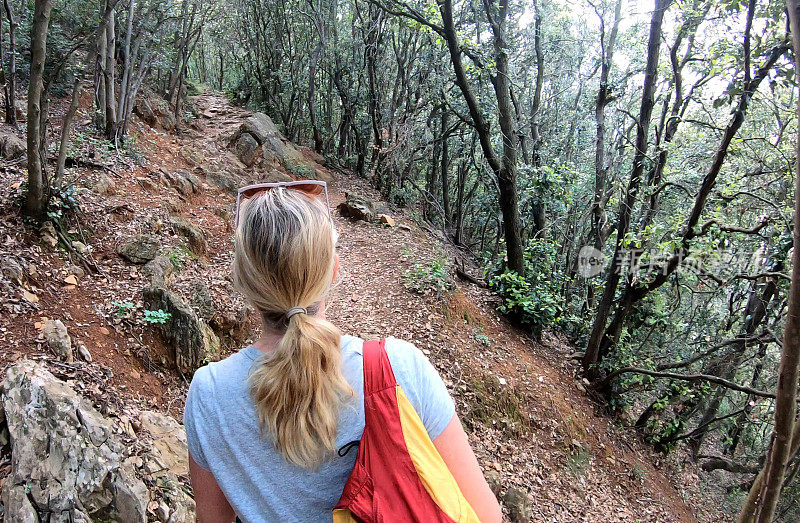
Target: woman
{"x":265,"y":424}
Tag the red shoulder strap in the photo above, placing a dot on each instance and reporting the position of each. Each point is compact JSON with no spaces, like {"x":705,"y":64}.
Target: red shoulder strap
{"x":378,"y":373}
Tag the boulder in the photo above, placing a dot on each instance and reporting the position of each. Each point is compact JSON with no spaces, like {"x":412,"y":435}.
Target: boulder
{"x":192,"y":340}
{"x":11,"y":147}
{"x":141,"y":249}
{"x":57,"y":339}
{"x":154,"y":110}
{"x":358,"y":208}
{"x":246,"y":149}
{"x":16,"y":504}
{"x":169,"y":440}
{"x":202,"y":300}
{"x":193,"y":234}
{"x":275,"y":176}
{"x":221,"y":178}
{"x":159,"y":269}
{"x":260,"y":126}
{"x":65,"y":456}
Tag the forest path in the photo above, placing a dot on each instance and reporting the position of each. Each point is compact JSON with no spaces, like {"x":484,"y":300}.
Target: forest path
{"x":548,"y":451}
{"x":552,"y":457}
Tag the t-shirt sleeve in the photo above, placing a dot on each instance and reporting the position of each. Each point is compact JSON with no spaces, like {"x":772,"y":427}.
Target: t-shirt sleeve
{"x":193,"y":418}
{"x":423,"y":386}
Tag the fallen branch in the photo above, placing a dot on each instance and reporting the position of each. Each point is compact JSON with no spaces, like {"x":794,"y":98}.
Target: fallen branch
{"x":720,"y":463}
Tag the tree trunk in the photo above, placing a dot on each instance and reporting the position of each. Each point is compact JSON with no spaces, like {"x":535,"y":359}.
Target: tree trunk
{"x":110,"y":81}
{"x":11,"y":80}
{"x":36,"y":200}
{"x":445,"y":172}
{"x":786,"y":393}
{"x":66,"y":130}
{"x":592,"y":355}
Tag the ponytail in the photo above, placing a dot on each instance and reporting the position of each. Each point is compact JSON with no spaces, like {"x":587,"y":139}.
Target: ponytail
{"x":284,"y":265}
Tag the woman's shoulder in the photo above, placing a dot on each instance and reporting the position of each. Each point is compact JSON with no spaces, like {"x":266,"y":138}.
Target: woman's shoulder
{"x":225,"y":372}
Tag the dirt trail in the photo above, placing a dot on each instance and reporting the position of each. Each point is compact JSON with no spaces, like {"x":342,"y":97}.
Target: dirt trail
{"x":552,"y":456}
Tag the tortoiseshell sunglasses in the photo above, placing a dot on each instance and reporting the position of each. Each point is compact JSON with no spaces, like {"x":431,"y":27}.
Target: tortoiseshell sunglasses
{"x":309,"y":187}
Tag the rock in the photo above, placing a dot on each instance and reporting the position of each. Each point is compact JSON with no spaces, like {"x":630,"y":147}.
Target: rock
{"x":172,"y":205}
{"x":20,"y":109}
{"x":11,"y":147}
{"x":246,"y":149}
{"x":154,"y":110}
{"x":159,"y":269}
{"x":494,"y":479}
{"x":404,"y":227}
{"x":182,"y":180}
{"x":16,"y":505}
{"x":57,"y":339}
{"x":141,"y":249}
{"x":104,"y":184}
{"x":147,"y":184}
{"x":12,"y":269}
{"x":192,"y":340}
{"x":80,"y":247}
{"x":275,"y":176}
{"x":358,"y":208}
{"x":385,"y":218}
{"x":48,"y":234}
{"x":194,"y":234}
{"x":259,"y":126}
{"x":518,"y":506}
{"x":65,"y":453}
{"x":192,"y":156}
{"x":220,"y":178}
{"x":162,"y":512}
{"x":169,"y":440}
{"x":202,"y":300}
{"x":84,"y":353}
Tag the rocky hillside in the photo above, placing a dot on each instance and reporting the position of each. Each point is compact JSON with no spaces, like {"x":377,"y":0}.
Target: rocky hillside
{"x":108,"y":309}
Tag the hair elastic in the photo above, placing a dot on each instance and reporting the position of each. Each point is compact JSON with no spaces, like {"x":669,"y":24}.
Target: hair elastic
{"x":295,"y":310}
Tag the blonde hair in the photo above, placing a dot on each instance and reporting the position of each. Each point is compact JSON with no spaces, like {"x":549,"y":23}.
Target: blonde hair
{"x":284,"y":258}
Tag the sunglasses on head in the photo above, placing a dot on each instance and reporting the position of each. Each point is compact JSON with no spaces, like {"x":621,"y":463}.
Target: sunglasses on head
{"x":310,"y":187}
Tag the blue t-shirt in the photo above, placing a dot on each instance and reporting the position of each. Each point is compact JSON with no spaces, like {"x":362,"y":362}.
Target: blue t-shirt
{"x":224,"y":436}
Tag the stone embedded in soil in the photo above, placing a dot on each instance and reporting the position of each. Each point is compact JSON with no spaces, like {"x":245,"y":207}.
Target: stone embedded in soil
{"x":11,"y":146}
{"x":141,"y":249}
{"x":358,"y":208}
{"x":388,"y":220}
{"x":57,"y":339}
{"x":169,"y":439}
{"x":12,"y":269}
{"x":192,"y":340}
{"x":65,"y":453}
{"x":518,"y":506}
{"x":193,"y":234}
{"x":48,"y":234}
{"x":104,"y":184}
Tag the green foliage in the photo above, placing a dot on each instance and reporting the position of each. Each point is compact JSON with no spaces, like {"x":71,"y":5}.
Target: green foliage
{"x":158,"y":317}
{"x":428,"y":278}
{"x":123,"y":308}
{"x":180,"y":256}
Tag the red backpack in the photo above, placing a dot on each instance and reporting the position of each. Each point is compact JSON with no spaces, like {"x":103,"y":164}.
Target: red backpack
{"x":398,"y":475}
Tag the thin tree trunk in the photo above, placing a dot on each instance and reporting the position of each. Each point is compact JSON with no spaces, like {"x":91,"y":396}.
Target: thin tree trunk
{"x":36,"y":200}
{"x":109,"y":79}
{"x":592,"y":355}
{"x":66,"y":130}
{"x":11,"y":92}
{"x":785,"y":409}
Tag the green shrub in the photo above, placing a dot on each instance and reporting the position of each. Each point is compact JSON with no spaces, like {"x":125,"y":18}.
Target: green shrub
{"x":534,"y":306}
{"x":156,"y":317}
{"x":428,"y":278}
